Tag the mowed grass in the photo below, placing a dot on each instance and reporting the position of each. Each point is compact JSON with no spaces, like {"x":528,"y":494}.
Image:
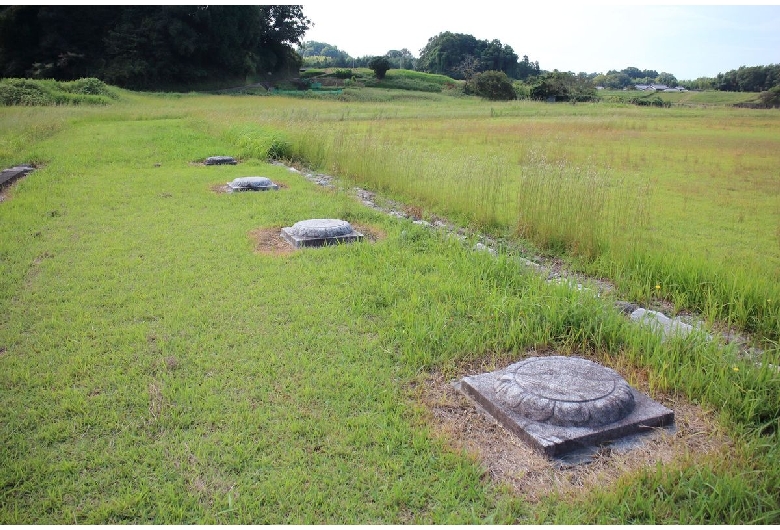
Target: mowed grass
{"x":155,"y":369}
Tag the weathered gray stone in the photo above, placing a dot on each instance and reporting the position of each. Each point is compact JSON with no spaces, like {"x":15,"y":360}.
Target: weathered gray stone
{"x":252,"y":184}
{"x":660,"y":322}
{"x":10,"y":174}
{"x":220,"y":160}
{"x":318,"y":232}
{"x":559,"y":404}
{"x":321,"y":228}
{"x":565,"y":391}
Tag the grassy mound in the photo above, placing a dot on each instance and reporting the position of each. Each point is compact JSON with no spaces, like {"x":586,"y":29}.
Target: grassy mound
{"x":35,"y":92}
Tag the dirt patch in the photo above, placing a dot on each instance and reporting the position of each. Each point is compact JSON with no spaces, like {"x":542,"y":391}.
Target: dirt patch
{"x":370,"y":232}
{"x":270,"y":242}
{"x":507,"y":459}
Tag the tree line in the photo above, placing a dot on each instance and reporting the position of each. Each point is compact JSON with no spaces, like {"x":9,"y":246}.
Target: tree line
{"x":743,"y":79}
{"x":462,"y":56}
{"x":323,"y":55}
{"x":455,"y":55}
{"x":146,"y":46}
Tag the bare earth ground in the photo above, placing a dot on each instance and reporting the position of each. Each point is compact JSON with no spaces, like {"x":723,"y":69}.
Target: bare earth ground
{"x":270,"y":242}
{"x":507,"y":459}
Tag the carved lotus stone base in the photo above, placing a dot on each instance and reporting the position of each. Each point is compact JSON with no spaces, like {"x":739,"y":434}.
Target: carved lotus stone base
{"x":559,"y":404}
{"x":319,"y":232}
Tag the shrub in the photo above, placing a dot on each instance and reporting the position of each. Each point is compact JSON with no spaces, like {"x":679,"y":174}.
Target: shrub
{"x":522,"y":90}
{"x":34,"y":92}
{"x":380,"y":66}
{"x":90,"y":86}
{"x":279,"y":149}
{"x":650,"y":102}
{"x":493,"y":85}
{"x":25,"y":92}
{"x":343,"y":73}
{"x":771,"y":98}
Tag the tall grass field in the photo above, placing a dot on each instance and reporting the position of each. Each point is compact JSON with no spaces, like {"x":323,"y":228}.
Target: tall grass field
{"x":158,"y":367}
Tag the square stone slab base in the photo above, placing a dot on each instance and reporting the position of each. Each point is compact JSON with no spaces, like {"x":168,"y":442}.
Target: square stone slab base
{"x":553,"y":440}
{"x":299,"y":242}
{"x":272,"y":187}
{"x":8,"y":175}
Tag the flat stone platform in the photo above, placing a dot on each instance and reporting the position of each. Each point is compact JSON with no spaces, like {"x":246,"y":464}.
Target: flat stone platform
{"x":220,"y":161}
{"x":320,"y":232}
{"x":9,"y":175}
{"x":562,"y":404}
{"x":252,"y":184}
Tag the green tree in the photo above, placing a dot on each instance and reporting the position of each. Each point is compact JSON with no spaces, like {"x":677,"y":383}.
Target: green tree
{"x":380,"y":66}
{"x":563,"y":86}
{"x":497,"y":57}
{"x":149,"y":46}
{"x":527,"y":69}
{"x":447,"y":52}
{"x":323,"y":54}
{"x":771,"y":97}
{"x":619,"y":81}
{"x":637,"y":76}
{"x":493,"y":85}
{"x":401,"y":59}
{"x":632,"y":72}
{"x":701,"y":83}
{"x":469,"y":67}
{"x":750,"y":78}
{"x":665,"y":78}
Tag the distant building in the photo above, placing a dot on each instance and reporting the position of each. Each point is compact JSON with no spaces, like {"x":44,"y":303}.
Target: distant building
{"x":659,"y":88}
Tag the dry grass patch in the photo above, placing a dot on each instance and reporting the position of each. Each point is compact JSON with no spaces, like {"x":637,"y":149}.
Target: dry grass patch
{"x":507,"y":459}
{"x":269,"y":241}
{"x":370,"y":232}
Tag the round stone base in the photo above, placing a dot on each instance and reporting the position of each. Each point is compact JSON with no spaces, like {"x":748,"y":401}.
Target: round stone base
{"x":565,"y":391}
{"x":321,"y":228}
{"x":252,"y":183}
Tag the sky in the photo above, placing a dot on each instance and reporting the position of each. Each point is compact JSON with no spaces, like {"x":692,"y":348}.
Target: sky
{"x":688,"y":41}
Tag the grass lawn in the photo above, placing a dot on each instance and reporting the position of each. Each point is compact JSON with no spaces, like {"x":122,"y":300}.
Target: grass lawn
{"x":155,"y":367}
